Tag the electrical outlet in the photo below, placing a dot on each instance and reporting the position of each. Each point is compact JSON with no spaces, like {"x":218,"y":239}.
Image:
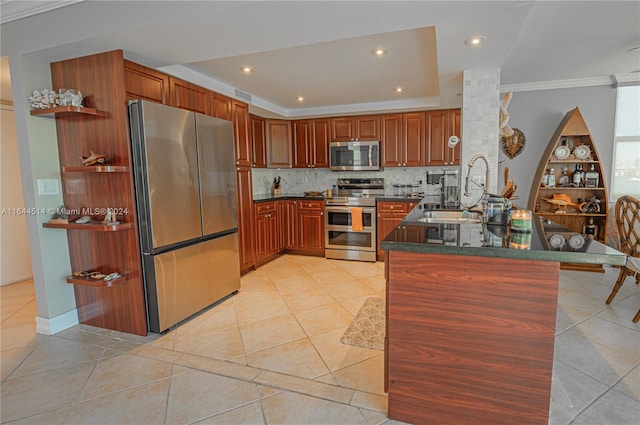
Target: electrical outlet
{"x":48,"y":187}
{"x":476,"y":179}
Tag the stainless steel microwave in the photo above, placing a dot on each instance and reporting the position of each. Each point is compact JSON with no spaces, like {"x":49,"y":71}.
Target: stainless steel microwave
{"x":354,"y":155}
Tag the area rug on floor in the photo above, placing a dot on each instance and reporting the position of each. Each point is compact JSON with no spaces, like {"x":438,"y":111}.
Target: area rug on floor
{"x":367,"y":329}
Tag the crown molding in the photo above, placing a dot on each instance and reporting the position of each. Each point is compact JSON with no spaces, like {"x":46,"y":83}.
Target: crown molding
{"x":13,"y":10}
{"x":630,"y":79}
{"x":557,"y":84}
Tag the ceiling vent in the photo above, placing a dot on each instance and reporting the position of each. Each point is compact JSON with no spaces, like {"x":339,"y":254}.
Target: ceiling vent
{"x":243,"y":95}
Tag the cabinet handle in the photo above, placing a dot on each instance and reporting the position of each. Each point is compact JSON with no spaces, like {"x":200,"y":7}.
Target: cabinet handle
{"x":322,"y":213}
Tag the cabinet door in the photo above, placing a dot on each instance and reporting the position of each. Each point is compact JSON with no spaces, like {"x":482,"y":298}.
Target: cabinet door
{"x":278,"y":144}
{"x":245,"y":218}
{"x":436,"y":137}
{"x":189,"y":96}
{"x":145,"y":83}
{"x":221,"y":106}
{"x":368,"y":127}
{"x":282,"y":224}
{"x":291,"y":224}
{"x":386,"y":223}
{"x":454,"y":129}
{"x":320,"y":134}
{"x":301,"y":144}
{"x":342,"y":129}
{"x":391,"y":140}
{"x":258,"y":142}
{"x":311,"y":226}
{"x":262,"y":236}
{"x":240,"y":118}
{"x":413,"y":139}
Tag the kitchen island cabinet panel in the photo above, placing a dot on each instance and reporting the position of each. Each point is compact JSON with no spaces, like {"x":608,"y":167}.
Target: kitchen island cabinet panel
{"x":483,"y":329}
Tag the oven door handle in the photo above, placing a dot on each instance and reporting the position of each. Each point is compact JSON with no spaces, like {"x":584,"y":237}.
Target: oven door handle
{"x":348,"y":209}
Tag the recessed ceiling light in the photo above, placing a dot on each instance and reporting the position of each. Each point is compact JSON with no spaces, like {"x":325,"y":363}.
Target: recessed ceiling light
{"x":379,"y":52}
{"x":300,"y":99}
{"x":398,"y":89}
{"x":247,"y":69}
{"x":475,"y":41}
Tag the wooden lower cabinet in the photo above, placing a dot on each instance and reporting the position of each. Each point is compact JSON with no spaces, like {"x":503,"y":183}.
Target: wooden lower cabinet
{"x":267,"y":228}
{"x":390,"y":214}
{"x":311,"y":227}
{"x":290,"y":224}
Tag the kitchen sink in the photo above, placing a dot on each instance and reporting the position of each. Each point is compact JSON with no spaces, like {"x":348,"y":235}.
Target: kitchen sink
{"x":441,"y":216}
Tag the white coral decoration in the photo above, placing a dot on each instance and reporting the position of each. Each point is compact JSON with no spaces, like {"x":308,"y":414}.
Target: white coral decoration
{"x":505,"y":130}
{"x":42,"y":99}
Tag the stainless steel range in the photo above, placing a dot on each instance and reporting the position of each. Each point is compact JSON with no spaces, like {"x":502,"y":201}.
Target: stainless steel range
{"x":350,"y":219}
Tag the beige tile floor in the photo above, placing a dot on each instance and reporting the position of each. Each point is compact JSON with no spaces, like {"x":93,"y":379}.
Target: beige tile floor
{"x":271,"y":355}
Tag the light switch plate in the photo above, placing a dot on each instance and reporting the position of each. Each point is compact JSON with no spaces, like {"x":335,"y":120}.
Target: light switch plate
{"x":48,"y":187}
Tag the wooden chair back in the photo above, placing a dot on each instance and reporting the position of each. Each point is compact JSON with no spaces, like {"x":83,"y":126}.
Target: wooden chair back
{"x":628,"y":222}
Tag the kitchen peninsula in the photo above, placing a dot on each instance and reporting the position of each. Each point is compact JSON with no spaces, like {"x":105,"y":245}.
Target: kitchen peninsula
{"x":471,"y":319}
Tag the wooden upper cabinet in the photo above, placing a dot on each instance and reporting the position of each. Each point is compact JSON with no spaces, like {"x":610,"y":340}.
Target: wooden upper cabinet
{"x":436,"y":137}
{"x":413,"y":130}
{"x":391,"y":140}
{"x":301,"y":144}
{"x":145,"y":83}
{"x":310,"y":143}
{"x":368,"y":127}
{"x":365,"y":127}
{"x":220,"y":106}
{"x":189,"y":96}
{"x":320,"y":137}
{"x":278,"y":144}
{"x":454,"y":129}
{"x":240,"y":118}
{"x":258,"y":142}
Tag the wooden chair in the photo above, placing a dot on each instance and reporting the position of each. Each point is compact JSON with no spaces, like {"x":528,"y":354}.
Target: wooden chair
{"x":627,"y":214}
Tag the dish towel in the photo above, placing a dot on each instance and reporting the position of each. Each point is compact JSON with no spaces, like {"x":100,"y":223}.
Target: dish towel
{"x":356,"y":219}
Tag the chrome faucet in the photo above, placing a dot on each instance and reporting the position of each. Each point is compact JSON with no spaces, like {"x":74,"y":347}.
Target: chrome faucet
{"x":471,"y":163}
{"x":485,"y":192}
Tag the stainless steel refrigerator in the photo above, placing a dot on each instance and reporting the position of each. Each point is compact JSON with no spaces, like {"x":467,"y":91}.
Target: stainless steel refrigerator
{"x":186,"y":200}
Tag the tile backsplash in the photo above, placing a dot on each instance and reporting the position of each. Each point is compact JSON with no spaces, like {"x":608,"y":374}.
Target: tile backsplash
{"x":321,"y":179}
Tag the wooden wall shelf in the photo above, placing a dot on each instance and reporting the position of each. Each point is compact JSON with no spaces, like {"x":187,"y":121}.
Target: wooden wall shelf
{"x":96,"y":169}
{"x":96,"y":226}
{"x":63,"y":110}
{"x":99,"y":283}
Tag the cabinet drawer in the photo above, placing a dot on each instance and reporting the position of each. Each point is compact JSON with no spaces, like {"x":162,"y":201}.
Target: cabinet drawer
{"x":265,"y":207}
{"x":386,"y":207}
{"x":312,"y":205}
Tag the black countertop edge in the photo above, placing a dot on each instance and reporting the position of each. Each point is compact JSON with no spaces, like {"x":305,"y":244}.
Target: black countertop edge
{"x":614,"y":259}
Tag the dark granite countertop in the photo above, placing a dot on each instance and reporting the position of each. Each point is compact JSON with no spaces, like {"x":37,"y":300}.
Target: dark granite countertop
{"x":496,"y":240}
{"x":266,"y":197}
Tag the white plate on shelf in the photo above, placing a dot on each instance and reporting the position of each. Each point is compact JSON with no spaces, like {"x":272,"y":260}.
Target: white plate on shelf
{"x":582,"y":152}
{"x":562,"y":152}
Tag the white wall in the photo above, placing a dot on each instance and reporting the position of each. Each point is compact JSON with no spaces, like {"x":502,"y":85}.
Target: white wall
{"x":538,"y":113}
{"x":15,"y":258}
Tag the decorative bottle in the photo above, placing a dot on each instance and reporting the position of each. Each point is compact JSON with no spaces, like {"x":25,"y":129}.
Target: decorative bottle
{"x":592,"y":177}
{"x":577,"y":176}
{"x":564,"y":178}
{"x":545,"y":178}
{"x":552,"y":178}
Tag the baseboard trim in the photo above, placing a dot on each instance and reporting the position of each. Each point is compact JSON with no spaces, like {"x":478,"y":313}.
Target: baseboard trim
{"x":57,"y":324}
